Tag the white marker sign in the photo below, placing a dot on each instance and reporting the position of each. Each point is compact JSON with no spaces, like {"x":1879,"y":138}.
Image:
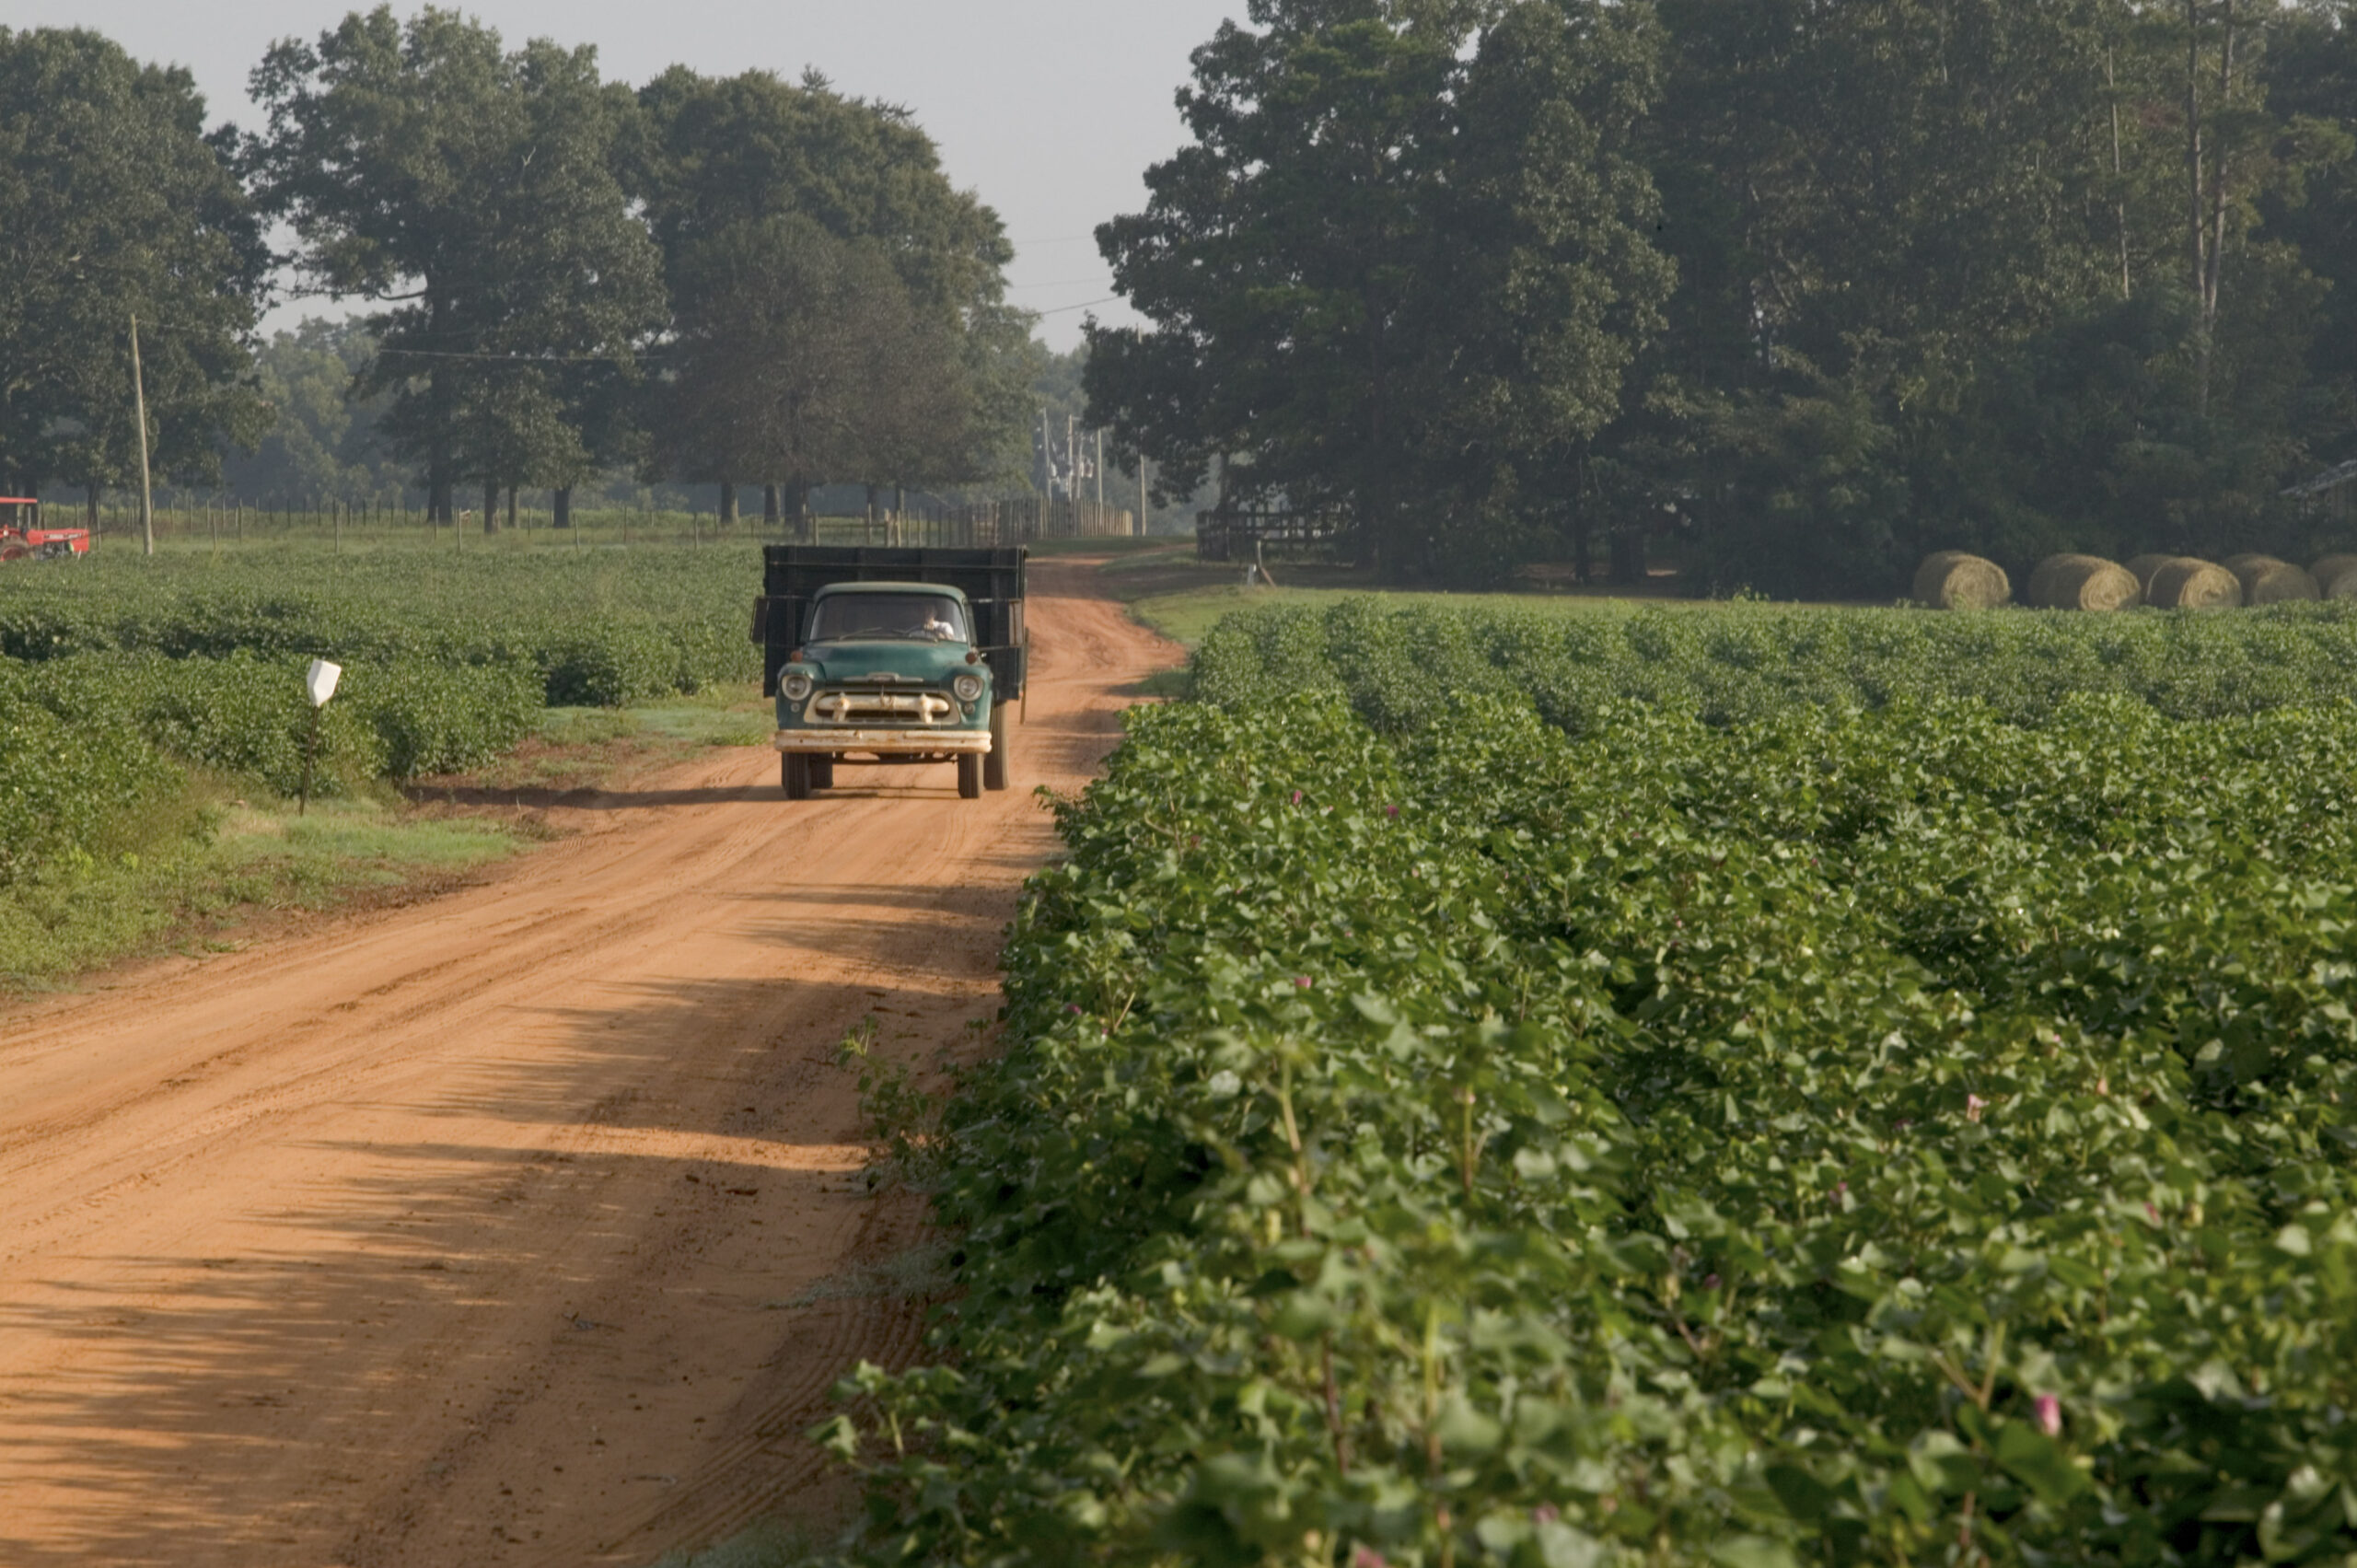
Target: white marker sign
{"x":319,"y":682}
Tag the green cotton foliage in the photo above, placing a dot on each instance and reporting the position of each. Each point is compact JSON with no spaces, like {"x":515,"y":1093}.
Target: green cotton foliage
{"x":433,"y":718}
{"x":1865,"y":1133}
{"x":1402,"y":667}
{"x":598,"y":630}
{"x":68,"y":792}
{"x":249,"y":716}
{"x":121,"y":674}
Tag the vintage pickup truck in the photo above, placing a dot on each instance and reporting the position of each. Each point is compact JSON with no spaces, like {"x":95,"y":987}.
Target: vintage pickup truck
{"x":891,"y":655}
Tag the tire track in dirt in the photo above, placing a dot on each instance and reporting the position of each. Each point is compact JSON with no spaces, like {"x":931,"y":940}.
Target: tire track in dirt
{"x":520,"y":1226}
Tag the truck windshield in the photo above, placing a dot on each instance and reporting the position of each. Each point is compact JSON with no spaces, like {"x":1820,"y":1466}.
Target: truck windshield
{"x":923,"y":618}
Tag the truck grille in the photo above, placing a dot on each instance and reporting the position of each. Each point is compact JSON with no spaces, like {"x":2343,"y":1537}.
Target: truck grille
{"x":880,"y":707}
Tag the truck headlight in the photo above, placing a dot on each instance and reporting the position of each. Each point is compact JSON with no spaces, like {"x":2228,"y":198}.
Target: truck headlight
{"x":968,"y":688}
{"x":795,"y":685}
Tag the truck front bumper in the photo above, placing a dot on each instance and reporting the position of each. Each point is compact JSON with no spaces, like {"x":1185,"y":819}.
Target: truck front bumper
{"x":885,"y":743}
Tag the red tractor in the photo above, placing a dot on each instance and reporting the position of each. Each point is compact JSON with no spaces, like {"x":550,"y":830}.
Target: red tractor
{"x":21,"y":537}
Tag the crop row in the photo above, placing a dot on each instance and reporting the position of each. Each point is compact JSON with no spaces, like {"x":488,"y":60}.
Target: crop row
{"x":118,"y":675}
{"x":1895,"y":1135}
{"x":1735,"y":663}
{"x":90,"y":744}
{"x":595,"y":629}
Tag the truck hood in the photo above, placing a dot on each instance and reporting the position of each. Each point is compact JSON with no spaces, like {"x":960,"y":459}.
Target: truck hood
{"x":931,"y":664}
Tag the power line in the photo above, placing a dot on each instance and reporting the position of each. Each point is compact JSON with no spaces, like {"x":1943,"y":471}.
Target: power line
{"x":518,"y":358}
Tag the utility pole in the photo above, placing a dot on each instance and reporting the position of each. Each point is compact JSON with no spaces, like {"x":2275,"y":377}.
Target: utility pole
{"x":139,"y":401}
{"x":1141,"y":494}
{"x":1100,"y":468}
{"x":1047,"y":470}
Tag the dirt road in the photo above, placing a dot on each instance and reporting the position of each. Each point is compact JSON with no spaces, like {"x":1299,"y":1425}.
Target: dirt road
{"x":523,"y":1225}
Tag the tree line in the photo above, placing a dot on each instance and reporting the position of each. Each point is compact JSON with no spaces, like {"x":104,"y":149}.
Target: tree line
{"x":744,"y":281}
{"x":1810,"y":288}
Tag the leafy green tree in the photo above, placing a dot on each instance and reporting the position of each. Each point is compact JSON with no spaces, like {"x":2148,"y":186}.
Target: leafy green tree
{"x":2043,"y":277}
{"x":322,"y":441}
{"x":1919,"y":173}
{"x":2312,"y":82}
{"x":115,"y":203}
{"x":1400,"y":269}
{"x":715,"y":159}
{"x":1557,"y":286}
{"x":775,"y":361}
{"x":1285,"y":263}
{"x":475,"y":192}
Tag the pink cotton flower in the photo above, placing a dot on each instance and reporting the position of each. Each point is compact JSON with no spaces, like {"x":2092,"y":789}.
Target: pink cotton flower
{"x":1973,"y":1105}
{"x":1391,"y":811}
{"x":2050,"y":1415}
{"x":1545,"y":1514}
{"x":1368,"y":1557}
{"x":1302,"y":981}
{"x":1296,"y":797}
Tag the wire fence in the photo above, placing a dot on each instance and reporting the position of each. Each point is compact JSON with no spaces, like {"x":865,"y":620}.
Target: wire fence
{"x":389,"y":525}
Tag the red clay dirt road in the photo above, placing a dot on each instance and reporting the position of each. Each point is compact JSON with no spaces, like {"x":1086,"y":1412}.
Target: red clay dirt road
{"x":521,"y":1225}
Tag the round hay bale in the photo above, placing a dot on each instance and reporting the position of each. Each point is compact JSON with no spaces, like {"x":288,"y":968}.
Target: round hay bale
{"x":2184,"y":583}
{"x":2267,"y":580}
{"x":2143,"y":566}
{"x":1950,"y":579}
{"x":2082,"y":582}
{"x":2336,"y":576}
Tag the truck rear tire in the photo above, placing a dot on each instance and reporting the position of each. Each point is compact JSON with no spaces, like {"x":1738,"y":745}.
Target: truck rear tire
{"x":969,"y":776}
{"x":995,"y":765}
{"x":822,"y":771}
{"x":794,"y":773}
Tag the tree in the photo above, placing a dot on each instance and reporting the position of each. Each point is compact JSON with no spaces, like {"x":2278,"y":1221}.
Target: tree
{"x":1554,"y":284}
{"x":1881,"y":201}
{"x":1287,"y":263}
{"x":322,"y":441}
{"x":1921,"y":173}
{"x":2238,"y":151}
{"x":475,"y":190}
{"x":2312,"y":85}
{"x":791,"y":351}
{"x":714,"y":159}
{"x":1401,"y":270}
{"x":114,"y":201}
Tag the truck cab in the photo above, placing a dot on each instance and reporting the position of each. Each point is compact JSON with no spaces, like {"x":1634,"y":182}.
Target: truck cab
{"x":876,"y":668}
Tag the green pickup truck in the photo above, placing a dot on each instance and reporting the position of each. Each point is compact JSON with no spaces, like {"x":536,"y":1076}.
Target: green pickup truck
{"x":891,"y":655}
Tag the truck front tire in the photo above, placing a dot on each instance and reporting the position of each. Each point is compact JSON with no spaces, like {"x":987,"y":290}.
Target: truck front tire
{"x":823,"y":770}
{"x":969,"y":776}
{"x":794,"y":773}
{"x":995,"y":765}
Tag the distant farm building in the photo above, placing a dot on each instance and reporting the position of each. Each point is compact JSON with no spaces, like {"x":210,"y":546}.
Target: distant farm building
{"x":2332,"y":494}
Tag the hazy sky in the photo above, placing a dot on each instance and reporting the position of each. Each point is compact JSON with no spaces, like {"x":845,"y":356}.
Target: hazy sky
{"x":1049,"y":109}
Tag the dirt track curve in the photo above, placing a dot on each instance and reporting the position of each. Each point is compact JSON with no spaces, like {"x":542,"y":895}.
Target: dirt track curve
{"x":522,"y":1226}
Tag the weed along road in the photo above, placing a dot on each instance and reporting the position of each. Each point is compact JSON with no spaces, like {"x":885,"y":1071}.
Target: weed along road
{"x":525,"y":1225}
